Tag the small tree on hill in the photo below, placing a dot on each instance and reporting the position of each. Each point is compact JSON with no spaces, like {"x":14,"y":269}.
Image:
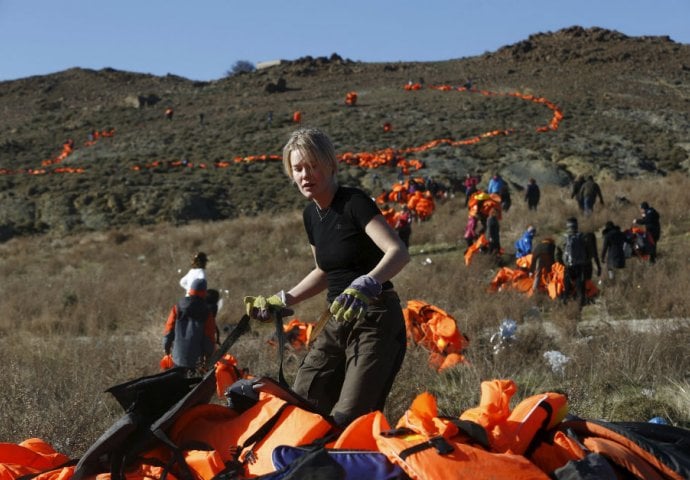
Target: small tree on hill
{"x":240,"y":66}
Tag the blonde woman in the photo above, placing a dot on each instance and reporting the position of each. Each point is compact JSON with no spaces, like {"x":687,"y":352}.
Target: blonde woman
{"x":352,"y":364}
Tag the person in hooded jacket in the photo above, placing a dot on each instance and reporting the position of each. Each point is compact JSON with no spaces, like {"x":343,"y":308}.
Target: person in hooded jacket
{"x":190,"y":330}
{"x":523,"y":245}
{"x":612,"y":249}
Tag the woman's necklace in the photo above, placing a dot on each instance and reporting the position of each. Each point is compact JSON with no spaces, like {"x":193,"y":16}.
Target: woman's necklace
{"x":322,"y":213}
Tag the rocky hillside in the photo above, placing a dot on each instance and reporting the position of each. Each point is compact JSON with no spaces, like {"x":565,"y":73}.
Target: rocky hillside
{"x":625,"y":103}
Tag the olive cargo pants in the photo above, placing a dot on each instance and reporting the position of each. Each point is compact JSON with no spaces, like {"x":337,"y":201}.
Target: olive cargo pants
{"x":350,"y":368}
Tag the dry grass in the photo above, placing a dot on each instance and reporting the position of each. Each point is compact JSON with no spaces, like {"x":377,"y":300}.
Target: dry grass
{"x":81,"y":313}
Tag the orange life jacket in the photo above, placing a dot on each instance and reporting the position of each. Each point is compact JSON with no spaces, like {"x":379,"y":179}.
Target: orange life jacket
{"x":29,"y":457}
{"x":427,"y":446}
{"x":437,"y":331}
{"x":573,"y":439}
{"x":514,"y":431}
{"x":351,"y":98}
{"x":227,"y":373}
{"x":166,"y":362}
{"x":479,"y":243}
{"x":225,"y":431}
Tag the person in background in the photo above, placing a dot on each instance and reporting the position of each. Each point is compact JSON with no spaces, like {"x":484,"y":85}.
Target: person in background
{"x":543,"y":257}
{"x":403,"y":225}
{"x":495,"y":184}
{"x":190,"y":330}
{"x":589,"y":192}
{"x":651,"y":221}
{"x":470,"y":185}
{"x":506,"y":201}
{"x":532,"y":194}
{"x":471,"y":233}
{"x":523,"y":245}
{"x":214,"y":304}
{"x":612,"y":251}
{"x":350,"y":368}
{"x":573,"y":253}
{"x":197,"y":270}
{"x":493,"y":232}
{"x":575,"y":190}
{"x":592,"y":251}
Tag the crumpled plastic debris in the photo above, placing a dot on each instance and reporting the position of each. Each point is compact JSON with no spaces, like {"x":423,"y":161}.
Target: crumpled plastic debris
{"x":557,"y":361}
{"x":505,"y":335}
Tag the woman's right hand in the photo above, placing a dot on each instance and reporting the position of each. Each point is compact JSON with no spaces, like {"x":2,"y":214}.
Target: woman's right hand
{"x":263,"y":308}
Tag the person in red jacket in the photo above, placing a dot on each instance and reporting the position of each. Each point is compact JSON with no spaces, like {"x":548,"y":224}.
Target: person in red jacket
{"x":190,"y":331}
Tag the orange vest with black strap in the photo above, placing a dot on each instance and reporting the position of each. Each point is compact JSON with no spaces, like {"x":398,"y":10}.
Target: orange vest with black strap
{"x":430,"y":447}
{"x":249,"y":437}
{"x":515,"y":431}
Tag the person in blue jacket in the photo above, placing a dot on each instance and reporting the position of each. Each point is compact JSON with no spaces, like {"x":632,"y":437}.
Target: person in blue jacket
{"x":495,"y":184}
{"x":523,"y":245}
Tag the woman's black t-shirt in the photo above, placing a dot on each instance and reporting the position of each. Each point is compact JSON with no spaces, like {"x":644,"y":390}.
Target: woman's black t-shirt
{"x":343,"y":250}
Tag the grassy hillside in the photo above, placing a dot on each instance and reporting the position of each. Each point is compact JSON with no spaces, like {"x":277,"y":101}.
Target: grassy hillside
{"x":81,"y":313}
{"x":624,"y":102}
{"x":90,"y":261}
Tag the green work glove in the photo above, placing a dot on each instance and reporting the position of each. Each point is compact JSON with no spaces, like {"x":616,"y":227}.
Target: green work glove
{"x":352,"y":304}
{"x":262,"y":308}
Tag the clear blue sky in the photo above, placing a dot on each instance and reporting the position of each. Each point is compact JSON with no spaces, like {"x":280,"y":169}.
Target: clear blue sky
{"x":202,"y":39}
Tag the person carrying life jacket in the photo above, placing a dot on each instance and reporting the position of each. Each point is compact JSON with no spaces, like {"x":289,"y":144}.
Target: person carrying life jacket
{"x":650,"y":221}
{"x":190,"y":330}
{"x":543,"y":257}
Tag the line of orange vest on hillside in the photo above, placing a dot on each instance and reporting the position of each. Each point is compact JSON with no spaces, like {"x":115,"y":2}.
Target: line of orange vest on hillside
{"x":67,"y":149}
{"x":376,"y":159}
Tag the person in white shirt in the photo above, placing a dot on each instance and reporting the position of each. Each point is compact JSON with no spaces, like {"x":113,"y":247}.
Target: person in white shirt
{"x":198,"y":270}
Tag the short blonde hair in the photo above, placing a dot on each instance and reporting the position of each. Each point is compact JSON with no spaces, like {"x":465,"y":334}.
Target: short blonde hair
{"x":314,"y":145}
